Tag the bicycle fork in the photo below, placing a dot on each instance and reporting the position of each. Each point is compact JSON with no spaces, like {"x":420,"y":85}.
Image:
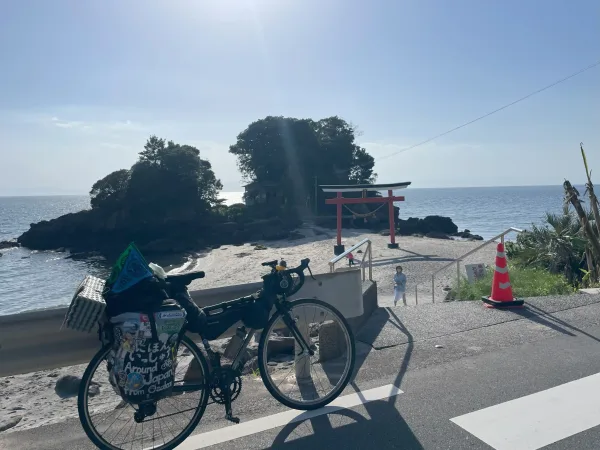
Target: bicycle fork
{"x":290,"y":322}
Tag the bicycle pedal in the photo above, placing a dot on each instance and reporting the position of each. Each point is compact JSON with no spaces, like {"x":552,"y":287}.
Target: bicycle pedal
{"x":235,"y":420}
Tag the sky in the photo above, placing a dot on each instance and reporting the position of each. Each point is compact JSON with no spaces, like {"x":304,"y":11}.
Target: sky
{"x":84,"y":84}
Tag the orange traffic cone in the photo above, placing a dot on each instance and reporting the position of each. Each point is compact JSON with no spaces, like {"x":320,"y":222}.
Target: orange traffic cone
{"x":502,"y":296}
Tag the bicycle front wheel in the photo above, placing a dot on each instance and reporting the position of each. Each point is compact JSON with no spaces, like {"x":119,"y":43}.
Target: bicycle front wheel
{"x":112,"y":424}
{"x":298,"y":380}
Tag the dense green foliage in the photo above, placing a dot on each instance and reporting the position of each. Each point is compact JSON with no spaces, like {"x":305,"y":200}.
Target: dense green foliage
{"x":167,"y":177}
{"x":558,"y":246}
{"x":293,"y":153}
{"x":525,"y":282}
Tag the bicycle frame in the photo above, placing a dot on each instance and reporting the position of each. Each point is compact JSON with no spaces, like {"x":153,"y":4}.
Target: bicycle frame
{"x":235,"y":308}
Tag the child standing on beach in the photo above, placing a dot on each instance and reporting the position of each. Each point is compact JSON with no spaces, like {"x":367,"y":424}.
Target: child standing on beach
{"x":350,"y":259}
{"x":399,"y":286}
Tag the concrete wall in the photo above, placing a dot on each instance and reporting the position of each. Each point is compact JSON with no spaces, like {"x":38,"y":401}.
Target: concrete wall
{"x":33,"y":341}
{"x":369,"y":301}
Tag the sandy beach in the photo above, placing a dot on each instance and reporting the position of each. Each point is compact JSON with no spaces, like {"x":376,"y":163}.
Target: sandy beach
{"x":419,"y":257}
{"x":31,"y":397}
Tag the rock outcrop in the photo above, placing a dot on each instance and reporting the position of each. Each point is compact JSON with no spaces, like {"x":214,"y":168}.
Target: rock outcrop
{"x":466,"y":234}
{"x":9,"y":244}
{"x":96,"y":231}
{"x":429,"y":224}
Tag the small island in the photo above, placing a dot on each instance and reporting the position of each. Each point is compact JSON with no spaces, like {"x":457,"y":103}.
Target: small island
{"x":168,"y":201}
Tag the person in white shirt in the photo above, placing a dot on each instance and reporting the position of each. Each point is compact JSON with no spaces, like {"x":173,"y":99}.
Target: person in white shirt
{"x":399,"y":286}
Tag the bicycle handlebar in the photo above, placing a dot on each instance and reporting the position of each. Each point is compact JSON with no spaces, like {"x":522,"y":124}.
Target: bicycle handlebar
{"x":281,"y":281}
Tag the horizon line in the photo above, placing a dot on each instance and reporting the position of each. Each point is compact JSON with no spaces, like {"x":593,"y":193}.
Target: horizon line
{"x":410,"y":189}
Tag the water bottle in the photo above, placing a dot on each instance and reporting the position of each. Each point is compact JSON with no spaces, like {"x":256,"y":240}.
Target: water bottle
{"x":235,"y":343}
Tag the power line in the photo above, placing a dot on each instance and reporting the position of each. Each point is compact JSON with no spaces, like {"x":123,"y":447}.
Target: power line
{"x":591,"y":66}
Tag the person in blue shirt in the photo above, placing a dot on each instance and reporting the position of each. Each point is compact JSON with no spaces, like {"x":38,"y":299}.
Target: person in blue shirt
{"x":399,"y":285}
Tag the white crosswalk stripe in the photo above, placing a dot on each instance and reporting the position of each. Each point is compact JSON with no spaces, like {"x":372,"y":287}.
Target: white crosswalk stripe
{"x":251,"y":427}
{"x":537,"y":420}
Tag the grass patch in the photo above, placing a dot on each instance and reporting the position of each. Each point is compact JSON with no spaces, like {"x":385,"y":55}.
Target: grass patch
{"x":525,"y":282}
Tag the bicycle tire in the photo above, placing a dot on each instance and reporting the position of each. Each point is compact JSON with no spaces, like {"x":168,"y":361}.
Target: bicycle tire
{"x":263,"y":368}
{"x":85,"y":383}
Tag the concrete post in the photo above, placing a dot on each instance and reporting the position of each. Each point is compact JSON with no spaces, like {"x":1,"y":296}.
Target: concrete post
{"x":302,"y":362}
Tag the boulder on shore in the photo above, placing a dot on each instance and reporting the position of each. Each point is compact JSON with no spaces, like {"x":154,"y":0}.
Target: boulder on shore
{"x":10,"y":422}
{"x":429,"y":224}
{"x":466,"y":234}
{"x":437,"y":235}
{"x":9,"y":244}
{"x":67,"y":386}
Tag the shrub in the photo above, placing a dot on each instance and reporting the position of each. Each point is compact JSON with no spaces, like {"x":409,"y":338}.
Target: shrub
{"x":525,"y":281}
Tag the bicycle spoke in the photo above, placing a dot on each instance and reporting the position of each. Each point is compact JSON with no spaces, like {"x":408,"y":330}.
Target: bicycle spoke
{"x":319,"y":377}
{"x":112,"y":420}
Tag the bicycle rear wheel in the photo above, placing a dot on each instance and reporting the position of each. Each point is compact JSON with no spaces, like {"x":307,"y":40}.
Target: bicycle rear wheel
{"x":111,"y":424}
{"x":302,"y":381}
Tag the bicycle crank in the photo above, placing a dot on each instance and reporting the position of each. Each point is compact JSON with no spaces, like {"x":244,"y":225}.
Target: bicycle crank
{"x":227,"y":383}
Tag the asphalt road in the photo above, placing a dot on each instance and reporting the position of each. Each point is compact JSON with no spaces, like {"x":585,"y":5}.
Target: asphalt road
{"x":500,"y":363}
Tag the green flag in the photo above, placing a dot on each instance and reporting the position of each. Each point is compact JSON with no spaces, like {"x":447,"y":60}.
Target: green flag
{"x":129,"y":269}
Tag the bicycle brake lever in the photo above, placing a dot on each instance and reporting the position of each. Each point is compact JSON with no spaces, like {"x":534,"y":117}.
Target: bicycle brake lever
{"x":310,"y":271}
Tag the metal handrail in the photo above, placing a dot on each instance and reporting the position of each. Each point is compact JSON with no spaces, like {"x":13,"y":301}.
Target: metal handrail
{"x":460,"y":258}
{"x":368,"y":259}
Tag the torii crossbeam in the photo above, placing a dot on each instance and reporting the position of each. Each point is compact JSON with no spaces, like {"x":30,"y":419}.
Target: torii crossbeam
{"x":339,"y":201}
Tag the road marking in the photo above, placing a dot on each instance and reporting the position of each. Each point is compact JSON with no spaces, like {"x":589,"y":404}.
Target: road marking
{"x":537,"y":420}
{"x":242,"y":429}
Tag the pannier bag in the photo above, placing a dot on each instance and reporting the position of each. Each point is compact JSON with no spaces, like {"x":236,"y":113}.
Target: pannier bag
{"x":142,"y":360}
{"x":146,"y":328}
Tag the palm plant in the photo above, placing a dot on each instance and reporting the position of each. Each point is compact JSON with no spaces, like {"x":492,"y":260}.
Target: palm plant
{"x":567,"y":243}
{"x":557,"y":246}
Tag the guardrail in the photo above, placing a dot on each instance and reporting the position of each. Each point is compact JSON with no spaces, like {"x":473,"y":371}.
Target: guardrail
{"x":367,"y":261}
{"x":460,"y":258}
{"x":33,"y":341}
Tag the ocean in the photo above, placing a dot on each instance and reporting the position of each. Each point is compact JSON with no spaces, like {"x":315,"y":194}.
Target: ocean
{"x":33,"y":280}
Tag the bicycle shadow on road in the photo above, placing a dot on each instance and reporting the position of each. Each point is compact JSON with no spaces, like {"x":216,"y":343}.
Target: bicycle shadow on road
{"x":383,"y":428}
{"x":367,"y":336}
{"x":351,"y":429}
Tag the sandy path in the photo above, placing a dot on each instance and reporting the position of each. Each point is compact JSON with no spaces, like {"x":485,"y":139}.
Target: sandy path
{"x":419,"y":257}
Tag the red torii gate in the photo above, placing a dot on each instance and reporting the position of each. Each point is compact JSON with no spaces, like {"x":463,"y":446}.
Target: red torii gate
{"x":339,"y":201}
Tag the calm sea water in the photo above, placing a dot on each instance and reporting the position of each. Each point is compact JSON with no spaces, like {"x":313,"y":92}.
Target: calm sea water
{"x":485,"y":211}
{"x":33,"y":280}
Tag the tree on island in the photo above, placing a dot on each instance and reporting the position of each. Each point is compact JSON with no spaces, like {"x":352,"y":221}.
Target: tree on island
{"x":166,"y":176}
{"x":294,"y":153}
{"x":163,"y":202}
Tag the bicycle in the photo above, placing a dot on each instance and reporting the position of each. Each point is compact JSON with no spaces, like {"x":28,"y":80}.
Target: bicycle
{"x":207,"y":377}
